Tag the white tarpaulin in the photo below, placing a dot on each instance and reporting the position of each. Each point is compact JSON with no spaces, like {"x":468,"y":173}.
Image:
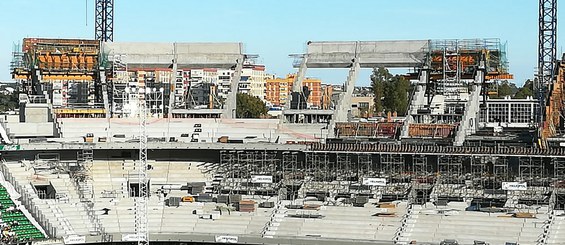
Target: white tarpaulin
{"x":374,"y":181}
{"x":514,"y":186}
{"x":262,"y":179}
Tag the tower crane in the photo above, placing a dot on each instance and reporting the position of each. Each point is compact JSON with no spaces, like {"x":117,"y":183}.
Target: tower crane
{"x":547,"y":56}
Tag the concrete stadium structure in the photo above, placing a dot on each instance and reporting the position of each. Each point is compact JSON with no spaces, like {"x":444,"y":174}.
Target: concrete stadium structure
{"x":460,"y":166}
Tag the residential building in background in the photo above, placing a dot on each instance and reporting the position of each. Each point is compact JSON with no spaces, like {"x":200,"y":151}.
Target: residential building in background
{"x":362,"y":102}
{"x":208,"y":88}
{"x":362,"y":106}
{"x":253,"y":80}
{"x":278,"y":91}
{"x":327,"y":91}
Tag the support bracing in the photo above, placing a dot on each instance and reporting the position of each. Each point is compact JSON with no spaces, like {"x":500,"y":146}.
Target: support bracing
{"x":104,"y":22}
{"x":343,"y":110}
{"x":297,"y":85}
{"x":231,"y":102}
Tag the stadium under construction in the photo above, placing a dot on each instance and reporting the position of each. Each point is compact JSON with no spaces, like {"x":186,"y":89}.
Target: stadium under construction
{"x":108,"y":146}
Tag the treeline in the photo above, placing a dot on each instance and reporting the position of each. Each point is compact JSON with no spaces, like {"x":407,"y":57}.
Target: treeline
{"x":505,"y":88}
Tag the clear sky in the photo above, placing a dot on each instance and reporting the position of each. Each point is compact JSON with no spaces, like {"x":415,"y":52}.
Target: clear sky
{"x":274,"y":29}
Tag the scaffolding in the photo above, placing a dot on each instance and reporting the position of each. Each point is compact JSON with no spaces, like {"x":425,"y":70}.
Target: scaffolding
{"x":558,"y":184}
{"x":450,"y":183}
{"x":531,"y":170}
{"x":239,"y":172}
{"x":319,"y":176}
{"x":343,"y":178}
{"x":83,"y":176}
{"x":423,"y":178}
{"x":392,"y":167}
{"x":293,"y":175}
{"x":450,"y":169}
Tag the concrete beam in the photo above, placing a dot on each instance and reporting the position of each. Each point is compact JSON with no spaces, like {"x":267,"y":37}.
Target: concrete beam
{"x":308,"y":112}
{"x":392,"y":54}
{"x":188,"y":55}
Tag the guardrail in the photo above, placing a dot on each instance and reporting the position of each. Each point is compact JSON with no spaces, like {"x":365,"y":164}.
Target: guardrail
{"x":432,"y":149}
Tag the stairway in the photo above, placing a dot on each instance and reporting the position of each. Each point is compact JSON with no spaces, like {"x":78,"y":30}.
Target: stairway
{"x":402,"y":233}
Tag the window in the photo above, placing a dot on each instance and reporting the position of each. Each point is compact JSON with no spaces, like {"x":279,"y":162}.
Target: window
{"x":520,"y":113}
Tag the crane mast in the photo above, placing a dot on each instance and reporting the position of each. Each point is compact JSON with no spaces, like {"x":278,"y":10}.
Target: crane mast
{"x":547,"y":56}
{"x":104,"y":20}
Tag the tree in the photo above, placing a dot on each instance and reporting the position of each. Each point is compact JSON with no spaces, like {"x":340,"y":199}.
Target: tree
{"x":391,"y":92}
{"x":249,"y":106}
{"x":378,"y":78}
{"x":8,"y":102}
{"x":526,"y":90}
{"x":506,"y":89}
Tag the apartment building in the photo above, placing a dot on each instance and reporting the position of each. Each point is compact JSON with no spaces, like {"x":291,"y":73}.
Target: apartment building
{"x":278,"y":90}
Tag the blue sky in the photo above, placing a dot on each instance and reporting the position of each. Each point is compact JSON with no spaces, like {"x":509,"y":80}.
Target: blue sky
{"x":276,"y":28}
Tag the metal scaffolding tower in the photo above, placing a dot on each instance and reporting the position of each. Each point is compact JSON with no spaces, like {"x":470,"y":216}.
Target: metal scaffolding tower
{"x":141,"y":209}
{"x":104,"y":22}
{"x":547,"y":52}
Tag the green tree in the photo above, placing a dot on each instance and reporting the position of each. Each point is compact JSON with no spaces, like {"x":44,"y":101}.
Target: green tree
{"x":249,"y":106}
{"x":391,"y":92}
{"x":8,"y":102}
{"x":526,"y":90}
{"x":402,"y":88}
{"x":503,"y":89}
{"x":378,"y":78}
{"x":506,"y":89}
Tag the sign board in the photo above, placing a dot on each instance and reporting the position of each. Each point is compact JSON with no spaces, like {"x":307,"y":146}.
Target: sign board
{"x":57,"y":99}
{"x":58,"y":84}
{"x":74,"y":239}
{"x":514,"y":186}
{"x":227,"y":239}
{"x":130,"y":238}
{"x":374,"y":181}
{"x":10,"y":147}
{"x":262,"y":179}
